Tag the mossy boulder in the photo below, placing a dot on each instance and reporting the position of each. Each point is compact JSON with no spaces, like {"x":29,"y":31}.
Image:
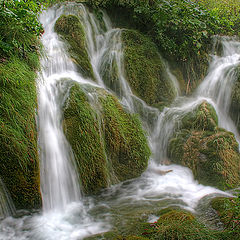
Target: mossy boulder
{"x":177,"y":224}
{"x":19,"y":162}
{"x":228,"y":210}
{"x":204,"y":118}
{"x":71,"y":30}
{"x":211,"y":152}
{"x":172,"y":224}
{"x":108,"y":142}
{"x":145,"y":70}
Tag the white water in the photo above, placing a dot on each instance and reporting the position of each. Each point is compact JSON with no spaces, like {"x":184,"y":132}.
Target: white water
{"x":216,"y":89}
{"x":66,"y":213}
{"x":7,"y":207}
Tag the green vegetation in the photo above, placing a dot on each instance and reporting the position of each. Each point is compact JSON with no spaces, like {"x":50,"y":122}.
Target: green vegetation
{"x":109,"y":144}
{"x":228,"y":210}
{"x":126,"y":143}
{"x":225,"y":9}
{"x":71,"y":29}
{"x":19,"y":27}
{"x":212,"y":153}
{"x":145,"y":70}
{"x":83,"y":133}
{"x":19,"y":60}
{"x":19,"y":165}
{"x":181,"y":29}
{"x":173,"y":223}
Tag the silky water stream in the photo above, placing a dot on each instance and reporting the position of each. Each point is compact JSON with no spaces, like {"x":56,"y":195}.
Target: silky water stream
{"x":66,"y":213}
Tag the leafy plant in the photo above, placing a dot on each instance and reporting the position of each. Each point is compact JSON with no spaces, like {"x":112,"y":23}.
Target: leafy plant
{"x":19,"y":26}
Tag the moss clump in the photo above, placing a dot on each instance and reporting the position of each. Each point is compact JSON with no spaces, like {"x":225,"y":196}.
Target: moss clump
{"x":212,"y":153}
{"x":204,"y":117}
{"x":71,"y":29}
{"x":172,"y":224}
{"x":126,"y":143}
{"x":19,"y":165}
{"x":109,"y":144}
{"x":228,"y":211}
{"x":178,"y":224}
{"x":83,"y":133}
{"x":145,"y":70}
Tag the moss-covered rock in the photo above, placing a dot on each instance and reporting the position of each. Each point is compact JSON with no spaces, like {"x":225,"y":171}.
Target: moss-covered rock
{"x":108,"y":143}
{"x":172,"y":224}
{"x":204,"y":118}
{"x":19,"y":162}
{"x":72,"y":31}
{"x":177,"y":224}
{"x":211,"y":152}
{"x":228,"y":210}
{"x":145,"y":70}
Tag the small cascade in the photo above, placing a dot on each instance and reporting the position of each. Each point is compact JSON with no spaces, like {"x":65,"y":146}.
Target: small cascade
{"x":6,"y":205}
{"x":106,"y":56}
{"x":219,"y":82}
{"x":59,"y":180}
{"x":215,"y":89}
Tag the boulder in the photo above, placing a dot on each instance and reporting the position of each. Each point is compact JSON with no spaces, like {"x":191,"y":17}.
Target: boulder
{"x":210,"y":152}
{"x":109,"y":143}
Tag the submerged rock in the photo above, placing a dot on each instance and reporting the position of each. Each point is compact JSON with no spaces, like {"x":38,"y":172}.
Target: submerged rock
{"x":71,"y":30}
{"x":211,"y":152}
{"x":145,"y":70}
{"x":108,"y":142}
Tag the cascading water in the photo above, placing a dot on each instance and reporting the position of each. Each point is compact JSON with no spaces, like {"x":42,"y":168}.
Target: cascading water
{"x":215,"y":89}
{"x":6,"y":205}
{"x":67,"y":214}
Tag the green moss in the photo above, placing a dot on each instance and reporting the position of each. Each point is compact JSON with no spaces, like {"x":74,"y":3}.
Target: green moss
{"x":83,"y":133}
{"x":204,"y":117}
{"x":19,"y":165}
{"x":212,"y":153}
{"x":109,"y":144}
{"x":145,"y":70}
{"x":172,"y":224}
{"x":126,"y":143}
{"x":228,"y":210}
{"x":71,"y":29}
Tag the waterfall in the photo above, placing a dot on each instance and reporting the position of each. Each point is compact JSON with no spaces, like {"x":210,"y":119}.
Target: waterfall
{"x":216,"y":89}
{"x":59,"y":179}
{"x":219,"y":81}
{"x":67,"y":214}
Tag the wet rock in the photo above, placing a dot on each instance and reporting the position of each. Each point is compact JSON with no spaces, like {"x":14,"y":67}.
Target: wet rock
{"x":71,"y":30}
{"x":210,"y":152}
{"x":108,"y":143}
{"x":145,"y":70}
